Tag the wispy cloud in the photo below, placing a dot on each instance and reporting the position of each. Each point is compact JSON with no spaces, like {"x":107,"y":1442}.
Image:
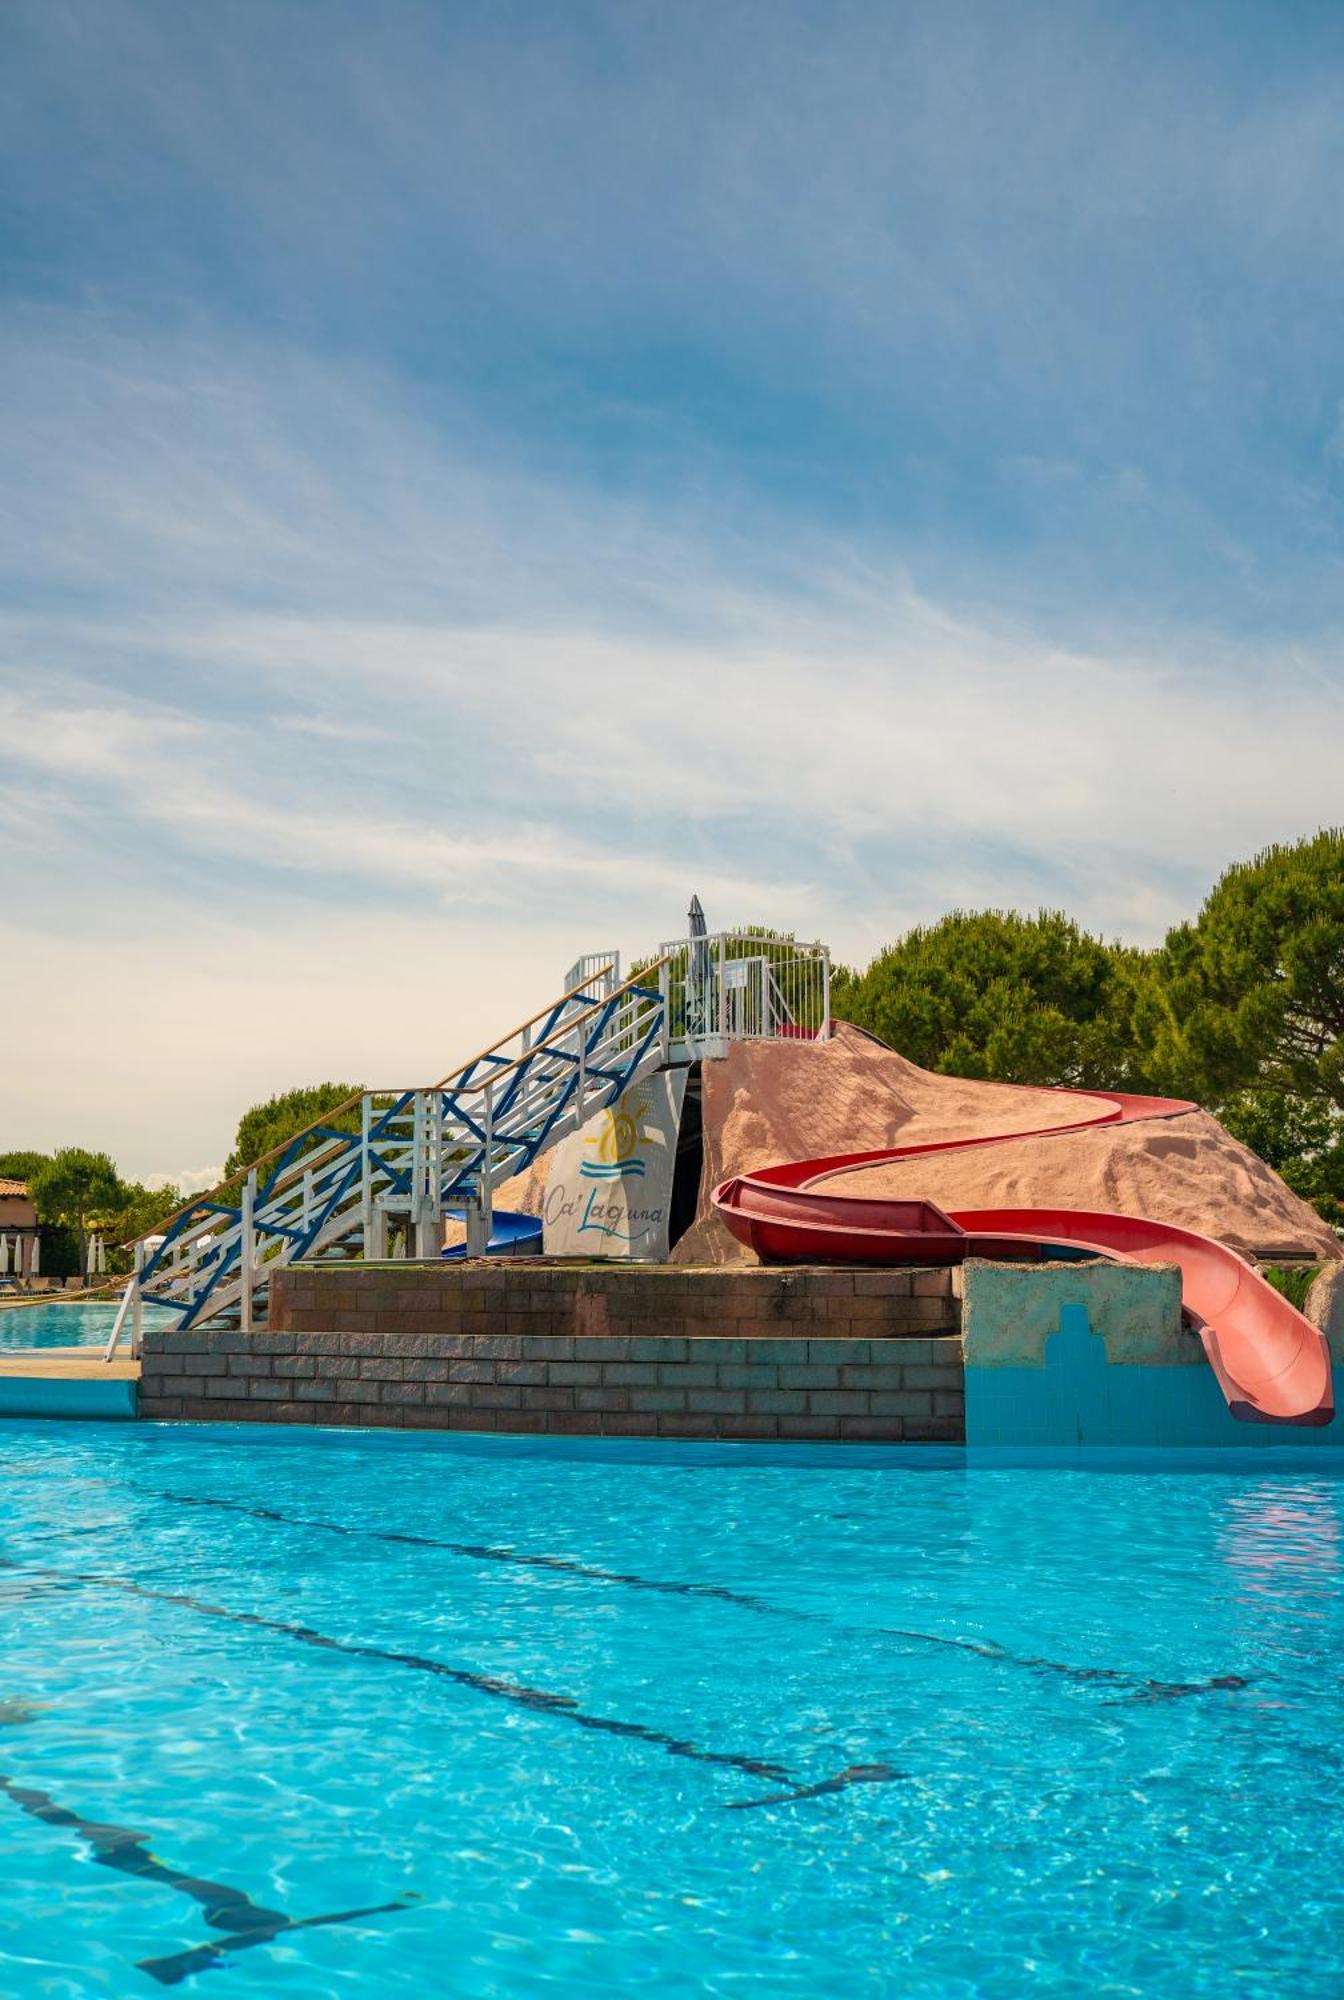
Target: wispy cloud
{"x":674,"y":703}
{"x":331,"y":729}
{"x":148,"y":776}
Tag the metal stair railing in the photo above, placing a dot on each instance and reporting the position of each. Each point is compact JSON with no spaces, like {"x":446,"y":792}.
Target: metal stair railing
{"x":415,"y":1155}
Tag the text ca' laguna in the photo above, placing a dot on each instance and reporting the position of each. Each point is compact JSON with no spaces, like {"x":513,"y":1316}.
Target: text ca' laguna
{"x":560,"y":1206}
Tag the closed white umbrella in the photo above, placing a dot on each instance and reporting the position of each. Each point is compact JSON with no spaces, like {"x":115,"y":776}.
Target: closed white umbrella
{"x":35,"y":1260}
{"x":102,"y":1258}
{"x":697,"y":984}
{"x":4,"y":1256}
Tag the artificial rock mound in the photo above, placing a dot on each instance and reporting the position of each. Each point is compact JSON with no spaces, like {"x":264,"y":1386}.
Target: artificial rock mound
{"x":773,"y":1101}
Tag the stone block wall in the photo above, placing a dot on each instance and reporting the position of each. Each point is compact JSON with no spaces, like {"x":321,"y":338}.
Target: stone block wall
{"x":585,"y":1299}
{"x":609,"y":1351}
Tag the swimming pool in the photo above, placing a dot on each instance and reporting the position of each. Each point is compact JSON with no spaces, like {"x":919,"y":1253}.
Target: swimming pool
{"x":73,"y":1323}
{"x":571,"y":1720}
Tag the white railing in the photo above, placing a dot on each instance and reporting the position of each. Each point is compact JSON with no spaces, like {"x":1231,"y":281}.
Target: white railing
{"x":598,"y":971}
{"x":735,"y":986}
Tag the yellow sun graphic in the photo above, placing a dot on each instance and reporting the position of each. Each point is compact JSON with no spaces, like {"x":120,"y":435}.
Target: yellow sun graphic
{"x":622,"y":1130}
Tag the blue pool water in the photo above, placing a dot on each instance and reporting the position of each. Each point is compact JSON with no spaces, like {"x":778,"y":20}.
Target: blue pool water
{"x":703,"y":1721}
{"x":29,"y":1329}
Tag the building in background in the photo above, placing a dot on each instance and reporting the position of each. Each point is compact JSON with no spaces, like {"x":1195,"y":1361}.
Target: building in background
{"x":18,"y":1228}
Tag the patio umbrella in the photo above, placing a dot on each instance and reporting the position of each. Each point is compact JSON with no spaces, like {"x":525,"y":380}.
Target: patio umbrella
{"x":4,"y":1256}
{"x":697,"y":985}
{"x":35,"y":1259}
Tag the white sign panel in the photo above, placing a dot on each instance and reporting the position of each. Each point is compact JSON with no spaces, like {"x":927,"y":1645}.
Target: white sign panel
{"x":609,"y":1190}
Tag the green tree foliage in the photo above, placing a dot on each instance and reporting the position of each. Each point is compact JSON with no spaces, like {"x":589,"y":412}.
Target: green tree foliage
{"x":139,"y":1211}
{"x":119,"y":1210}
{"x":78,"y":1189}
{"x":1293,"y":1281}
{"x":1302,"y":1138}
{"x":279,"y":1119}
{"x":60,"y":1251}
{"x":1255,"y":986}
{"x":1020,"y":999}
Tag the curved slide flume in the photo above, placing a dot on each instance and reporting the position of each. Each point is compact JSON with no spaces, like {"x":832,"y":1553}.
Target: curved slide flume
{"x":511,"y":1234}
{"x":1271,"y":1363}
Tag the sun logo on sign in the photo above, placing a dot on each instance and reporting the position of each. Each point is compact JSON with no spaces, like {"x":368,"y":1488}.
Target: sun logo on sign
{"x":618,"y":1139}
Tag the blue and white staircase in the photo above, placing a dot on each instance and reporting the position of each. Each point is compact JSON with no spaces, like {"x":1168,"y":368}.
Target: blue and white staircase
{"x":413,"y":1155}
{"x":408,"y":1158}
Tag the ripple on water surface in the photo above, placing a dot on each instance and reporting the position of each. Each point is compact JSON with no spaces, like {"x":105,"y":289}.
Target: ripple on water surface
{"x":339,"y":1713}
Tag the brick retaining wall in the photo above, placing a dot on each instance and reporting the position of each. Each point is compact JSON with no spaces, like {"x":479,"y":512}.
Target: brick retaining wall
{"x":615,"y":1351}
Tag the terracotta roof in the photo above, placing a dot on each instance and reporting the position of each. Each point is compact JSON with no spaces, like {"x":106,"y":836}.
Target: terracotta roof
{"x":8,"y":1186}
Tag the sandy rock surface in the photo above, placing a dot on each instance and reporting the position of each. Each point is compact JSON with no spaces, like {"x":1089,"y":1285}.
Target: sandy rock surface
{"x":1325,"y":1308}
{"x":773,"y":1101}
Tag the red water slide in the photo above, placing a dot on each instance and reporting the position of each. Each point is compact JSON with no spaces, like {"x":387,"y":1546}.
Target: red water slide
{"x":1272,"y":1364}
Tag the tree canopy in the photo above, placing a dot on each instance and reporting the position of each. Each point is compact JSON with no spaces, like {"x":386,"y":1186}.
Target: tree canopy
{"x":77,"y":1188}
{"x":1255,"y":985}
{"x":77,"y":1192}
{"x":1302,"y":1138}
{"x":990,"y":993}
{"x":140,"y":1210}
{"x":1252,"y":1017}
{"x":1241,"y":1009}
{"x":281,"y":1118}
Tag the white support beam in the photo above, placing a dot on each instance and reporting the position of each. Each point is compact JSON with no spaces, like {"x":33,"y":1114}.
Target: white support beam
{"x":132,"y":1285}
{"x":247,"y":1250}
{"x":137,"y":1301}
{"x":365,"y":1174}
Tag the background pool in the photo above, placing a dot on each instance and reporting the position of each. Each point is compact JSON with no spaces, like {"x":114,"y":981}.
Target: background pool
{"x":1070,"y":1732}
{"x":25,"y":1329}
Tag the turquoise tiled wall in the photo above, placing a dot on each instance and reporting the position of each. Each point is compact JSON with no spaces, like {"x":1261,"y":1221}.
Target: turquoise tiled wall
{"x":1078,"y":1396}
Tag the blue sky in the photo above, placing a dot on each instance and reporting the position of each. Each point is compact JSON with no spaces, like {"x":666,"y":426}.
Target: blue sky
{"x":472,"y":474}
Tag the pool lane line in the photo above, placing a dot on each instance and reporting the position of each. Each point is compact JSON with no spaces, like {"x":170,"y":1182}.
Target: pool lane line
{"x":224,"y":1907}
{"x":180,"y":1965}
{"x":1141,"y":1689}
{"x":853,"y":1774}
{"x":538,"y":1700}
{"x":529,"y":1697}
{"x":484,"y":1552}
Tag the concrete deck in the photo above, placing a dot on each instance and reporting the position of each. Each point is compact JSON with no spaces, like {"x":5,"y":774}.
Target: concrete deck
{"x":69,"y":1364}
{"x":67,"y":1382}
